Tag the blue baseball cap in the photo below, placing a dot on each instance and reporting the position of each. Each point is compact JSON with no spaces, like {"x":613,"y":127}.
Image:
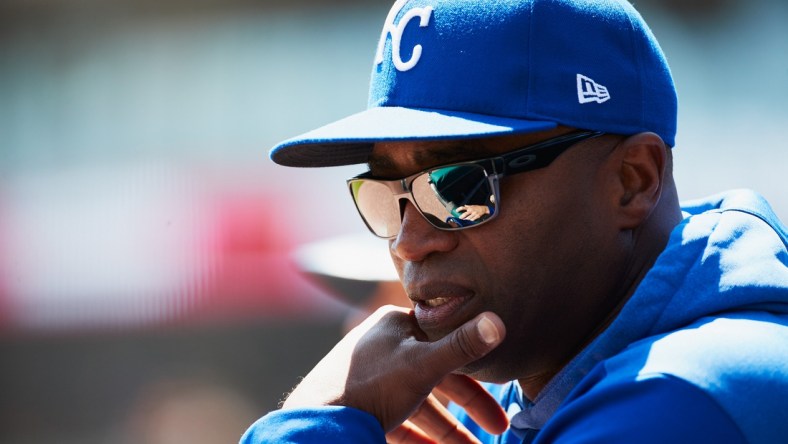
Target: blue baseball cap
{"x":462,"y":69}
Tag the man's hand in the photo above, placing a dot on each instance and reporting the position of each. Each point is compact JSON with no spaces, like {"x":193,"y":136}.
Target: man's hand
{"x":386,"y":367}
{"x":433,"y":423}
{"x":473,"y":212}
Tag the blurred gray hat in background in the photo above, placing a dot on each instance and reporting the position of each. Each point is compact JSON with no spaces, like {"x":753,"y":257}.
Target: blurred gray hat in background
{"x":349,"y":266}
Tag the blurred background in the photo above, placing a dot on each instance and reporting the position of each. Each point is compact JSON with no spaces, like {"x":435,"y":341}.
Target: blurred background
{"x":148,"y":287}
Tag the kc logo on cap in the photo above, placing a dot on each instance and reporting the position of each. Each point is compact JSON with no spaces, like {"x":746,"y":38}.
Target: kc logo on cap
{"x":396,"y":30}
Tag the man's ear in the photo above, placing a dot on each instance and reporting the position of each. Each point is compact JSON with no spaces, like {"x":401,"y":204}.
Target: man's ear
{"x":640,"y":163}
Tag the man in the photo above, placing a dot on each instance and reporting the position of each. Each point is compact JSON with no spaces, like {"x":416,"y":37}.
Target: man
{"x":592,"y":307}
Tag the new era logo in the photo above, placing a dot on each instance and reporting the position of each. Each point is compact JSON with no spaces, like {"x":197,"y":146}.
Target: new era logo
{"x":590,"y":91}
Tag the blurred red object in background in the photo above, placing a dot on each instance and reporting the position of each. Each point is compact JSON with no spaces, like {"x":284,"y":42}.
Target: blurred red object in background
{"x":254,"y":273}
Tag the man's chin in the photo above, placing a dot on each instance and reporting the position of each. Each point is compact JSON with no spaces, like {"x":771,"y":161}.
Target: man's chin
{"x":483,"y":370}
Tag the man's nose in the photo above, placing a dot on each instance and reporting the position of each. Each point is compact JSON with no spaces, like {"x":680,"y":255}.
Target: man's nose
{"x":417,"y":239}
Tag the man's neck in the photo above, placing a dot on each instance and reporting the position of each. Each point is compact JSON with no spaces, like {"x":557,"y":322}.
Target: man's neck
{"x":649,"y":241}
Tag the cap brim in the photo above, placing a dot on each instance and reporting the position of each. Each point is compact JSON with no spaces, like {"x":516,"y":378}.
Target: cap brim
{"x":349,"y":141}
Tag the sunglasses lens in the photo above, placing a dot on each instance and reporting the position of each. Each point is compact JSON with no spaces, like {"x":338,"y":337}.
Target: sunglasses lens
{"x":452,"y":197}
{"x":456,"y":196}
{"x":377,"y":206}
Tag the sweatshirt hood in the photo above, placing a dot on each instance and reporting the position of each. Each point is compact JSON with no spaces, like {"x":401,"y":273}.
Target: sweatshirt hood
{"x":727,"y":255}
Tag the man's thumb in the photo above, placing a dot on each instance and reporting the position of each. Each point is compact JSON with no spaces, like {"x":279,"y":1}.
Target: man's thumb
{"x":469,"y":342}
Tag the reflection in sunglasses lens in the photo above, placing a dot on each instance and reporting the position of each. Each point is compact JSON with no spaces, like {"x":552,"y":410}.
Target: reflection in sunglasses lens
{"x":455,"y":196}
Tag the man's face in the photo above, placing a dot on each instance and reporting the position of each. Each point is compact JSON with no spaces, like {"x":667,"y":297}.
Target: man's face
{"x":547,"y":265}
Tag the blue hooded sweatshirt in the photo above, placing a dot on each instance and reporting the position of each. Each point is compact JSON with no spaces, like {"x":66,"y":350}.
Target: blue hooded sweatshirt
{"x":699,"y":353}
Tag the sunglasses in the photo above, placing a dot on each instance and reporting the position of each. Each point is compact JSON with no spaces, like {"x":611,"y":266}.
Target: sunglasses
{"x":455,"y":196}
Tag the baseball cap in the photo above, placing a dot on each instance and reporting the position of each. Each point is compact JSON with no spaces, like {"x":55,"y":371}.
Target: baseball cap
{"x":461,"y":69}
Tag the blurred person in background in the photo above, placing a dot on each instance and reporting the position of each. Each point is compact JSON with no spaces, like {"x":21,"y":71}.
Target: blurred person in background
{"x":606,"y":311}
{"x":357,"y":270}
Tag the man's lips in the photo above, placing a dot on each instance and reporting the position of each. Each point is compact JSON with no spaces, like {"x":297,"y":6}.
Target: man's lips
{"x":441,"y":308}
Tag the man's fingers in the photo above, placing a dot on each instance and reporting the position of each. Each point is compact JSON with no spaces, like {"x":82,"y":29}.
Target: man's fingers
{"x":433,"y":418}
{"x":408,"y":433}
{"x":466,"y":344}
{"x":476,"y":401}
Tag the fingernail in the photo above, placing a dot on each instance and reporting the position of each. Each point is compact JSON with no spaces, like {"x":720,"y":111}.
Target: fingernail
{"x":487,"y":330}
